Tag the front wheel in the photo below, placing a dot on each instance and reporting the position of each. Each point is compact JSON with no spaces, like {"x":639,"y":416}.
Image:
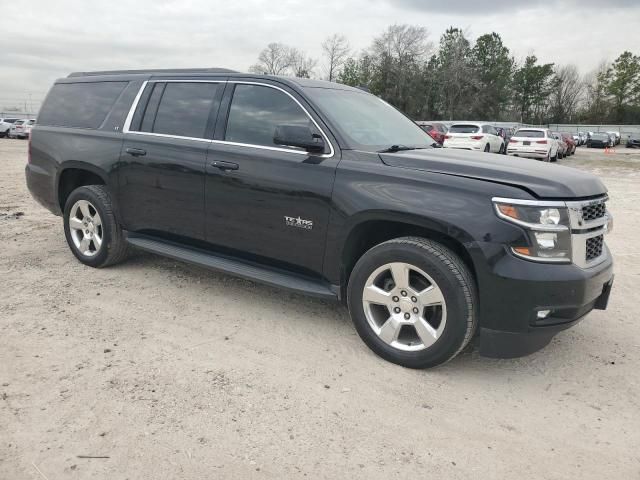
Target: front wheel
{"x":413,"y":302}
{"x":91,"y":229}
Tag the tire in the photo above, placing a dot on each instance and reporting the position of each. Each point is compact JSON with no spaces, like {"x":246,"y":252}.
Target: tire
{"x":112,"y":247}
{"x":548,"y":158}
{"x":487,"y":148}
{"x":390,"y":330}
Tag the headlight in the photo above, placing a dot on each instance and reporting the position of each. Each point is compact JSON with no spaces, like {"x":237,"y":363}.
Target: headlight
{"x":546,"y":224}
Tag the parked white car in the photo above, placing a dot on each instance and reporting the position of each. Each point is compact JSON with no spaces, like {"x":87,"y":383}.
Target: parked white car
{"x":21,"y":128}
{"x":538,"y":143}
{"x":5,"y":126}
{"x":474,"y":136}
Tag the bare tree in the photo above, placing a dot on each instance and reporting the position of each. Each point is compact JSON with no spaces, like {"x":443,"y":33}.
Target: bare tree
{"x":565,"y":93}
{"x":336,"y":48}
{"x":398,"y":55}
{"x":276,"y":59}
{"x":403,"y":42}
{"x":301,"y":65}
{"x":596,"y":101}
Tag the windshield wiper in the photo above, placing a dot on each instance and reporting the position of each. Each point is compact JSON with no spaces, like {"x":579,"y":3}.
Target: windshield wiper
{"x":398,"y":148}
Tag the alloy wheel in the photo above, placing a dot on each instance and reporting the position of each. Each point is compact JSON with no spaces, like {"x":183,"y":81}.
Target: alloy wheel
{"x":404,"y":306}
{"x":86,"y":228}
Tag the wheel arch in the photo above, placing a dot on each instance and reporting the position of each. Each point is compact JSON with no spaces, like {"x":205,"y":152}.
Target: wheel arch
{"x":374,"y":228}
{"x":73,"y":174}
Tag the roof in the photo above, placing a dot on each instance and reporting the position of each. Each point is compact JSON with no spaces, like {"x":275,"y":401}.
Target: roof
{"x":150,"y":71}
{"x":205,"y":72}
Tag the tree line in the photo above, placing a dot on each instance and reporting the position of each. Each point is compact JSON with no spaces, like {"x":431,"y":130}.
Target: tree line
{"x":457,"y":78}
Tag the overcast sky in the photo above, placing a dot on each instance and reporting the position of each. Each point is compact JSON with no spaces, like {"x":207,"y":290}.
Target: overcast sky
{"x":47,"y":39}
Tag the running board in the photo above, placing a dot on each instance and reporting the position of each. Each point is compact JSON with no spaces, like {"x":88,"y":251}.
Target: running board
{"x":236,"y":267}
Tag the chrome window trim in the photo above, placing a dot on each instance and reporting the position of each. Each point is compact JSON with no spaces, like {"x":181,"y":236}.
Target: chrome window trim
{"x":134,"y":106}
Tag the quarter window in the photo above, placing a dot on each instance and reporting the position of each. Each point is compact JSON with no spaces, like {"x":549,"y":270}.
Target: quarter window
{"x":81,"y":105}
{"x":256,"y":111}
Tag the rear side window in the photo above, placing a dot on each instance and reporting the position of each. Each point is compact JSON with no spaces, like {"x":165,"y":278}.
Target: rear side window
{"x":80,"y":105}
{"x":179,"y":108}
{"x":461,"y":128}
{"x":256,"y":111}
{"x":530,"y":133}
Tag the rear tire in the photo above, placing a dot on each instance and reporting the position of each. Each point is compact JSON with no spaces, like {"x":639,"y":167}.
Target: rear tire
{"x":413,"y":302}
{"x":487,"y":148}
{"x":91,"y":229}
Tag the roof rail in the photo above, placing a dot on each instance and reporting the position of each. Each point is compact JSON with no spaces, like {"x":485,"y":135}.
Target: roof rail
{"x":163,"y":70}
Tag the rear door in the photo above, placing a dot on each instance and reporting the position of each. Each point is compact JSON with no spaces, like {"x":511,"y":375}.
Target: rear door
{"x":263,"y":199}
{"x":163,"y":158}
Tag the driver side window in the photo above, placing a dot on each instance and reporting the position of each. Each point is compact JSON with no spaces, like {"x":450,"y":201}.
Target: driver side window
{"x":257,"y":110}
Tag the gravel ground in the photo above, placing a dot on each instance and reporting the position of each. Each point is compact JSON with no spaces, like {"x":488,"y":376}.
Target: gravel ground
{"x":171,"y":371}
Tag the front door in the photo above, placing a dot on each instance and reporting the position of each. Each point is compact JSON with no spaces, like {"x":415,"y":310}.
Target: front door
{"x":162,"y":165}
{"x":261,"y":198}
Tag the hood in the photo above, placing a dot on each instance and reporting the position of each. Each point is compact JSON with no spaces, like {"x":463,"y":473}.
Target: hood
{"x":543,"y":180}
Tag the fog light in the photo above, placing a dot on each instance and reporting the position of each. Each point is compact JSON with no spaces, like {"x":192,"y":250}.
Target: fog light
{"x":544,"y":313}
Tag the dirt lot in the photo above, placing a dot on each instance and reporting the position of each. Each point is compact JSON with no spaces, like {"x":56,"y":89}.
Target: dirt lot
{"x":171,"y":371}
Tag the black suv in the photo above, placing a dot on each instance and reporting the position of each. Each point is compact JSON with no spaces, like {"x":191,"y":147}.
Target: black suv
{"x":326,"y":190}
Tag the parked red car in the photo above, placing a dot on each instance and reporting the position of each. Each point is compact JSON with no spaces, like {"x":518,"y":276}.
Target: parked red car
{"x":571,"y":143}
{"x":436,"y":130}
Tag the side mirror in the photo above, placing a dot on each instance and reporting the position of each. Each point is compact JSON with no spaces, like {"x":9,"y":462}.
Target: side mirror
{"x":298,"y":136}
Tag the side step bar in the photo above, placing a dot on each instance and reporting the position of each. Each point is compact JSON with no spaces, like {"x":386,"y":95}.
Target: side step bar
{"x":236,"y":267}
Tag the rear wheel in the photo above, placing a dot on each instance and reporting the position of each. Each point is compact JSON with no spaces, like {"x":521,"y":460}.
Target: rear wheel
{"x":91,"y":229}
{"x":412,"y":302}
{"x":487,"y":148}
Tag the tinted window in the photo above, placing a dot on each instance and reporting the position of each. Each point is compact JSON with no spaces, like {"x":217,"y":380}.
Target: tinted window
{"x":529,"y":133}
{"x":184,"y":109}
{"x":81,"y":105}
{"x":256,"y":111}
{"x":461,"y":128}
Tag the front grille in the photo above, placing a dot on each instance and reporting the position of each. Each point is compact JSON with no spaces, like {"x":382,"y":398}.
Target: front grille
{"x":594,"y":247}
{"x":593,"y":212}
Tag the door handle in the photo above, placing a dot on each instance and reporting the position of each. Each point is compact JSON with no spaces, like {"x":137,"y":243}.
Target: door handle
{"x":222,"y":165}
{"x":136,"y":152}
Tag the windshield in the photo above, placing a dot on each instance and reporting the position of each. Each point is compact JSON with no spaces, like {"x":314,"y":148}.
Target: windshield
{"x":600,"y":136}
{"x":464,"y":128}
{"x":367,"y":122}
{"x":530,"y":133}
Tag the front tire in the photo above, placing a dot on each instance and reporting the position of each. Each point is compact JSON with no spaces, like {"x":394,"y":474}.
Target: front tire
{"x":413,"y":302}
{"x":90,"y":227}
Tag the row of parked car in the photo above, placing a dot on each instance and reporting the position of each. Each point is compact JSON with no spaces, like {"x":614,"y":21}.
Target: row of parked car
{"x":539,"y":143}
{"x":16,"y":127}
{"x":530,"y":142}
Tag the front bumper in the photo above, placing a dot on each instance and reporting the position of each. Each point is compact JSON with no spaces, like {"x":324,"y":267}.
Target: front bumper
{"x":515,"y":290}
